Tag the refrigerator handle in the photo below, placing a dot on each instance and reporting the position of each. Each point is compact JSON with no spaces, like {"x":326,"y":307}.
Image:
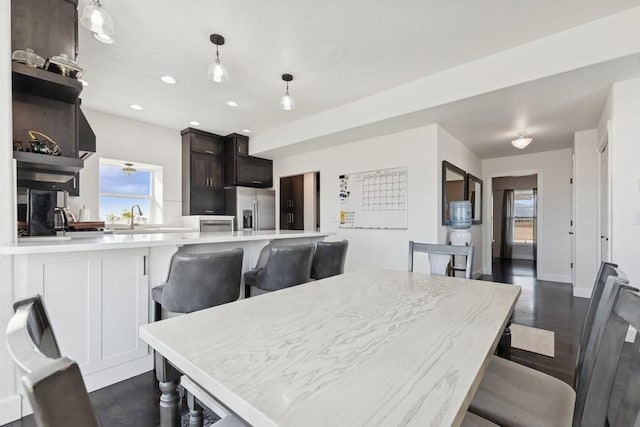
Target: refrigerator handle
{"x":255,"y":215}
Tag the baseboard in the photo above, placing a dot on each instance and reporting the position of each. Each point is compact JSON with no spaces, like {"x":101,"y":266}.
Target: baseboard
{"x":631,"y":335}
{"x":486,"y":270}
{"x":562,"y":278}
{"x":10,"y":409}
{"x":118,"y":373}
{"x":581,"y":292}
{"x":479,"y":272}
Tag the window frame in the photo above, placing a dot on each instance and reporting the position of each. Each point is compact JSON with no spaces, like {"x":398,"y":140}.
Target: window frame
{"x":154,"y":216}
{"x":516,"y":217}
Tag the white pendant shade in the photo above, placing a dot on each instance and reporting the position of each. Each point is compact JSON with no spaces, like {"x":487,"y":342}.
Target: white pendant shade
{"x":217,"y":72}
{"x":97,"y":20}
{"x":287,"y":103}
{"x":521,"y":142}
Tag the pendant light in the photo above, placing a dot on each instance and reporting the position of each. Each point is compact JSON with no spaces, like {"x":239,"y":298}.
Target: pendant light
{"x":521,"y":142}
{"x":97,"y":20}
{"x":286,"y":102}
{"x":217,"y":71}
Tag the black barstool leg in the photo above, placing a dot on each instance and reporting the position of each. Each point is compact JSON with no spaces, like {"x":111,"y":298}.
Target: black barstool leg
{"x":157,"y":311}
{"x":504,"y":346}
{"x":247,"y":290}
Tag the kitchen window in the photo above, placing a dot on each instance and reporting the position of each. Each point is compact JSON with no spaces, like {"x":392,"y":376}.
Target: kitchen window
{"x":124,"y":184}
{"x":523,"y":216}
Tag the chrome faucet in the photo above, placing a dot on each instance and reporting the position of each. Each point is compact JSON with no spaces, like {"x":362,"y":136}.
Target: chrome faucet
{"x":132,"y":217}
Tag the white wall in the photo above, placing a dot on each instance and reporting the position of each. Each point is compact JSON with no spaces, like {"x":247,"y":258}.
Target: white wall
{"x":124,"y":139}
{"x":9,"y":400}
{"x":624,"y":151}
{"x":554,"y":205}
{"x":453,"y":151}
{"x":585,"y":187}
{"x":309,"y":201}
{"x":416,"y":149}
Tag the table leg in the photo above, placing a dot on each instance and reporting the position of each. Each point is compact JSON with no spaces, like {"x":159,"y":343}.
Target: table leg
{"x":504,"y":346}
{"x":169,"y":379}
{"x":195,"y":410}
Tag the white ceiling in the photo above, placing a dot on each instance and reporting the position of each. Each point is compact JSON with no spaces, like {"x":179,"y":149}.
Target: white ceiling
{"x":338,"y":52}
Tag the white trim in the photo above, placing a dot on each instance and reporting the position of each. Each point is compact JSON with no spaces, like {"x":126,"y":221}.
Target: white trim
{"x":562,"y":278}
{"x":10,"y":409}
{"x":118,"y":373}
{"x":631,"y":335}
{"x":477,"y":273}
{"x":581,"y":292}
{"x":488,"y":225}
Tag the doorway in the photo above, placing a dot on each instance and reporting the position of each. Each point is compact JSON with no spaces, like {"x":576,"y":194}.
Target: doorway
{"x":300,"y":202}
{"x":515,"y":224}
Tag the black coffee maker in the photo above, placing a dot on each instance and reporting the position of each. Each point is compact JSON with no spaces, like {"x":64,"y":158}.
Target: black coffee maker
{"x":44,"y":218}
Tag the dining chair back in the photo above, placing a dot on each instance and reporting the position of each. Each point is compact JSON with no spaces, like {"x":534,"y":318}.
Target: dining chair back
{"x":53,"y":384}
{"x":287,"y":266}
{"x":451,"y":251}
{"x":328,"y":259}
{"x":199,"y":281}
{"x":593,"y":397}
{"x":606,"y":270}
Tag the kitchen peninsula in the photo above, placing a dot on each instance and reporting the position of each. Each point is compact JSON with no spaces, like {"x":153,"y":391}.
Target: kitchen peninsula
{"x":97,"y":289}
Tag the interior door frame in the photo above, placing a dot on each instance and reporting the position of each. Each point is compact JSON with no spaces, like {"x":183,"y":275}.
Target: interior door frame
{"x":605,"y":143}
{"x":488,"y":213}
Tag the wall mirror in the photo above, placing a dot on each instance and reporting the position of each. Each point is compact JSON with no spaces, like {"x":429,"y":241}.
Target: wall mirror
{"x":453,"y":187}
{"x":474,"y":194}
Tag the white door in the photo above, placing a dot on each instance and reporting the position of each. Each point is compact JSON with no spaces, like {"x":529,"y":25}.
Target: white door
{"x":604,"y":204}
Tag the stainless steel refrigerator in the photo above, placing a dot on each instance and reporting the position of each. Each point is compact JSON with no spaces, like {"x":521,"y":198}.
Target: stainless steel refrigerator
{"x":253,"y":208}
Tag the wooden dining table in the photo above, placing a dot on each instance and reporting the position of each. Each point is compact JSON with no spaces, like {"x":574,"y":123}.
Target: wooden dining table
{"x":373,"y":347}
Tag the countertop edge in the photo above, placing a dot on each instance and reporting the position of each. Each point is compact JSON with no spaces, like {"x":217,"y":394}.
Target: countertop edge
{"x":148,"y":240}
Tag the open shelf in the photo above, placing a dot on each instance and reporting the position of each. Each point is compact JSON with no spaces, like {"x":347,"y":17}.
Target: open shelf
{"x":46,"y":84}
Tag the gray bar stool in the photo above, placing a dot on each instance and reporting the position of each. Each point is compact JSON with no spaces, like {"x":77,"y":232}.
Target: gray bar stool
{"x":287,"y":266}
{"x":199,"y":281}
{"x":328,"y":259}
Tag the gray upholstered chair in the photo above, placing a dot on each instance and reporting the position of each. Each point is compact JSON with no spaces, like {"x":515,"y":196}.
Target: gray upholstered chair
{"x":199,"y":281}
{"x":53,"y":384}
{"x":328,"y":260}
{"x":514,"y":395}
{"x":448,"y":267}
{"x":287,"y":266}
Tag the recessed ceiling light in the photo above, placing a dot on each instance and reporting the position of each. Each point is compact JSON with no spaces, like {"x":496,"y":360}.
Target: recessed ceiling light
{"x":135,"y":107}
{"x":246,"y":130}
{"x":103,"y":38}
{"x":194,"y":123}
{"x":84,"y":82}
{"x":168,"y":80}
{"x":232,"y":103}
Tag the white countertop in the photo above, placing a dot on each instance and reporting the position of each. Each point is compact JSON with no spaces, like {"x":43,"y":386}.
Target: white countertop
{"x":123,"y":241}
{"x":373,"y":347}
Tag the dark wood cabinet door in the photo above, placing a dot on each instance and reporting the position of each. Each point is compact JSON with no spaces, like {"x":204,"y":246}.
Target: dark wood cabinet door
{"x":211,"y":145}
{"x":292,"y":203}
{"x":199,"y":170}
{"x":254,"y":172}
{"x":207,"y":202}
{"x":215,"y":171}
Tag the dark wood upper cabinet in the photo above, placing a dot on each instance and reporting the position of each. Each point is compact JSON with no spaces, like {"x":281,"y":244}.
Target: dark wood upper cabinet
{"x":202,"y":173}
{"x":292,"y":203}
{"x":245,"y":170}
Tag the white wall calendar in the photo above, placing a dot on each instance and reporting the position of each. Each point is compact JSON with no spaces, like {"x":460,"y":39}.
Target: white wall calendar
{"x":374,"y":199}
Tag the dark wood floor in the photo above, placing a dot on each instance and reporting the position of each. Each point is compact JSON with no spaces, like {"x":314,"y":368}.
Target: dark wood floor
{"x":545,"y":305}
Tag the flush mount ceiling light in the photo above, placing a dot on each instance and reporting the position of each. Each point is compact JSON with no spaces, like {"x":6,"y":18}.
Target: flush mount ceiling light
{"x":97,"y":20}
{"x":521,"y":142}
{"x":168,"y":80}
{"x":286,"y":102}
{"x":128,"y":168}
{"x":217,"y":72}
